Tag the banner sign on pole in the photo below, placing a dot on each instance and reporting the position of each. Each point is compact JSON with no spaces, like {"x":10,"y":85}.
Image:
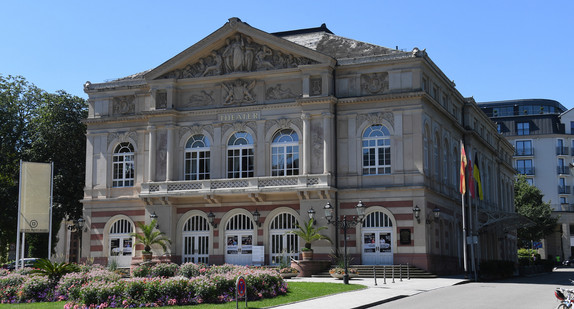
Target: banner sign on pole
{"x":35,"y":197}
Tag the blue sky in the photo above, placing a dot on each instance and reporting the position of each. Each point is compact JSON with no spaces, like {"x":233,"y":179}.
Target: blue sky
{"x":493,"y":50}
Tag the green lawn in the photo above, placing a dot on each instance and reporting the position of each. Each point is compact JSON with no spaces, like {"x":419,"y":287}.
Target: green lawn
{"x":297,"y":291}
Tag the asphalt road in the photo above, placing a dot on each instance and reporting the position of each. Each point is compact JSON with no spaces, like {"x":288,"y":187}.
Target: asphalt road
{"x":536,"y":292}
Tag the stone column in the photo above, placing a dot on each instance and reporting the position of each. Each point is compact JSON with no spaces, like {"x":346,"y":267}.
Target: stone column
{"x":327,"y":142}
{"x":306,"y":144}
{"x":152,"y":152}
{"x":170,"y":154}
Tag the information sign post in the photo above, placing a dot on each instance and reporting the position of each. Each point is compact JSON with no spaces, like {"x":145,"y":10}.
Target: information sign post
{"x":240,"y":291}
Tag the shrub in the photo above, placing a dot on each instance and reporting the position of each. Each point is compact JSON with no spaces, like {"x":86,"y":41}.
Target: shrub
{"x":190,"y":270}
{"x":9,"y":287}
{"x":143,"y":270}
{"x":4,"y":272}
{"x":99,"y":292}
{"x":37,"y":289}
{"x":164,"y":270}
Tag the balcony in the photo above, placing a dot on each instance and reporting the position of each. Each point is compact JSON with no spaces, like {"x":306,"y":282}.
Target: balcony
{"x":235,"y":186}
{"x":563,"y":170}
{"x":562,"y":151}
{"x":563,"y":189}
{"x":524,"y":152}
{"x":525,"y":170}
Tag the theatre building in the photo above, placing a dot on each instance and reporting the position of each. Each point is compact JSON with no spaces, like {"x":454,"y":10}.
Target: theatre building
{"x":234,"y":140}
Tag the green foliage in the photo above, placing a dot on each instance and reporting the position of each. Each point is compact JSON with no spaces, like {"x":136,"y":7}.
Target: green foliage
{"x":40,"y":127}
{"x":37,"y":289}
{"x":528,"y":201}
{"x":143,"y":270}
{"x":310,"y":233}
{"x":190,"y":270}
{"x":53,"y":270}
{"x":151,"y":236}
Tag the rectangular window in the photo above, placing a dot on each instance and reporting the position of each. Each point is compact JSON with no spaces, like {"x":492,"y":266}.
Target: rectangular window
{"x":522,"y":128}
{"x":524,"y":167}
{"x":524,"y":148}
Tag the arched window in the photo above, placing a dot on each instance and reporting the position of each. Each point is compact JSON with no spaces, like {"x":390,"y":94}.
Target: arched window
{"x":195,"y":237}
{"x":240,"y":155}
{"x":376,"y":150}
{"x":285,"y":153}
{"x":121,"y":241}
{"x":445,"y":164}
{"x":197,"y":158}
{"x":436,"y":157}
{"x":426,"y":140}
{"x":123,"y":165}
{"x":284,"y":245}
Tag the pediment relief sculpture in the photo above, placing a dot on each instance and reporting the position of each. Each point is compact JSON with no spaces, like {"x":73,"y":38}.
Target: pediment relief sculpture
{"x":201,"y":98}
{"x":122,"y":137}
{"x":375,"y":83}
{"x":278,"y":93}
{"x":238,"y":92}
{"x":283,"y":123}
{"x":123,"y":105}
{"x":378,"y":118}
{"x":240,"y":54}
{"x":240,"y":126}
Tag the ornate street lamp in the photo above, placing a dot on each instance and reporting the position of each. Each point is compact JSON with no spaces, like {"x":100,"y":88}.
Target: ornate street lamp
{"x":211,"y":219}
{"x":344,"y":225}
{"x":256,"y":216}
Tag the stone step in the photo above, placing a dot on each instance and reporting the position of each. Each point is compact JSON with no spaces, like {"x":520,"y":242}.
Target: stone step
{"x":366,"y":271}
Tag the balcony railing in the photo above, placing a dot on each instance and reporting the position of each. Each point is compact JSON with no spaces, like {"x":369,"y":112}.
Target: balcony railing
{"x":269,"y":184}
{"x":525,"y":170}
{"x":563,"y":189}
{"x":562,"y":151}
{"x":524,"y":152}
{"x":563,"y":170}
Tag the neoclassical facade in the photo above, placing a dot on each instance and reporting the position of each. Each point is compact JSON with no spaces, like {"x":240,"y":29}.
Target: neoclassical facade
{"x":233,"y":141}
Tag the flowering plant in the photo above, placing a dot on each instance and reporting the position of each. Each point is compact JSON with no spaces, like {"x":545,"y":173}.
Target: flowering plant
{"x":341,"y":271}
{"x":288,"y":270}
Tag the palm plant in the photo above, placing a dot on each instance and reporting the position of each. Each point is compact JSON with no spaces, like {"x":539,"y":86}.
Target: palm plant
{"x":151,"y":236}
{"x":309,"y":234}
{"x":54,"y":271}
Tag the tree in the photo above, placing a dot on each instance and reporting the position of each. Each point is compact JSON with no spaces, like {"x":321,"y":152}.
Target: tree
{"x":309,"y":233}
{"x":151,"y":236}
{"x":528,"y":202}
{"x":40,"y":127}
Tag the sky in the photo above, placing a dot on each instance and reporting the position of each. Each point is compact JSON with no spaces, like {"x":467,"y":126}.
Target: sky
{"x":492,"y":50}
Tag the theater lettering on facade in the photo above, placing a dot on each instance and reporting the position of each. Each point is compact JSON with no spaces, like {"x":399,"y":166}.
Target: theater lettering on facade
{"x":232,"y":141}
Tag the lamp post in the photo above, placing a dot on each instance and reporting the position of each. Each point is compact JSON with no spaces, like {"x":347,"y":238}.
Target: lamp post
{"x":78,"y":226}
{"x":344,"y":224}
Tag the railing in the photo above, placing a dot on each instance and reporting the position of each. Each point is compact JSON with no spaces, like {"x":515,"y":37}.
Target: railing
{"x":248,"y":184}
{"x":562,"y":150}
{"x":563,"y":189}
{"x":525,"y":170}
{"x":524,"y":152}
{"x":563,"y":170}
{"x":563,"y":207}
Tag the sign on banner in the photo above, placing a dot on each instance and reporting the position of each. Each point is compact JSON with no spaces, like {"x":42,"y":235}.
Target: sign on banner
{"x":35,"y":196}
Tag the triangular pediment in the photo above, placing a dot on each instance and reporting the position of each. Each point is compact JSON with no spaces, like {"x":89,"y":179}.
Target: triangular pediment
{"x":237,"y":48}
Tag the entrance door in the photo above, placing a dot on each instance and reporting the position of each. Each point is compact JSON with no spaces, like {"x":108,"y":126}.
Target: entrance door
{"x":377,"y":240}
{"x":377,"y":249}
{"x":121,"y":243}
{"x":239,"y":249}
{"x":239,"y":235}
{"x":195,"y":237}
{"x":284,"y":246}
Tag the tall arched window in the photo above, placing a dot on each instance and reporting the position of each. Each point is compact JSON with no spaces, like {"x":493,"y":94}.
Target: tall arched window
{"x":285,"y":153}
{"x":376,"y":150}
{"x":436,"y":157}
{"x":426,"y":140}
{"x":445,"y":165}
{"x":123,"y":165}
{"x":240,"y":155}
{"x":197,"y":158}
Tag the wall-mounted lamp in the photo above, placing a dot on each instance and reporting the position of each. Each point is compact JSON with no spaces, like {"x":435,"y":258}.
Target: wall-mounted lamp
{"x":417,"y":213}
{"x":78,"y":225}
{"x":311,"y":213}
{"x":153,"y":216}
{"x":211,"y":219}
{"x":256,"y":216}
{"x":435,"y":215}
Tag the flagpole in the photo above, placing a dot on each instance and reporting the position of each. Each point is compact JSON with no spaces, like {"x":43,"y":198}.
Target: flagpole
{"x":462,"y":180}
{"x":50,"y":215}
{"x":18,"y":219}
{"x":464,"y":247}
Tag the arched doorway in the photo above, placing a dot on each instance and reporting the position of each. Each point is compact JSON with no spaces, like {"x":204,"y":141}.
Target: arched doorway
{"x":283,"y":245}
{"x":195,"y":237}
{"x":239,"y":236}
{"x":121,"y":243}
{"x":378,"y":238}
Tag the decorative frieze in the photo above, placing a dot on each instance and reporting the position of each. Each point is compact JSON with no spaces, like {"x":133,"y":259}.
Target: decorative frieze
{"x":124,"y":105}
{"x":279,"y":93}
{"x":238,"y":92}
{"x":240,"y":54}
{"x":375,"y":83}
{"x":378,"y":118}
{"x":122,"y":137}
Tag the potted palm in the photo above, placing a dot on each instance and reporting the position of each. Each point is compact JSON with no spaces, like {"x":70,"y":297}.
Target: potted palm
{"x":309,"y":234}
{"x":150,"y":236}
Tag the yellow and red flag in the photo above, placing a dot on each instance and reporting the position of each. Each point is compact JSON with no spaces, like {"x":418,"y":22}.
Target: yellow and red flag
{"x":462,"y":168}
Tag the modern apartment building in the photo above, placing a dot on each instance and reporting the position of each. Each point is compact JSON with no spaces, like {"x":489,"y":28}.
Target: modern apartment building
{"x":542,"y":134}
{"x":233,"y":141}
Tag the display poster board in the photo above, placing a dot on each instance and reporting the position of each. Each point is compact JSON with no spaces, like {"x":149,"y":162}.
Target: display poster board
{"x":258,"y":255}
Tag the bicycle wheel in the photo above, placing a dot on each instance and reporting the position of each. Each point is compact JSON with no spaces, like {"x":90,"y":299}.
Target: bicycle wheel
{"x":562,"y":306}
